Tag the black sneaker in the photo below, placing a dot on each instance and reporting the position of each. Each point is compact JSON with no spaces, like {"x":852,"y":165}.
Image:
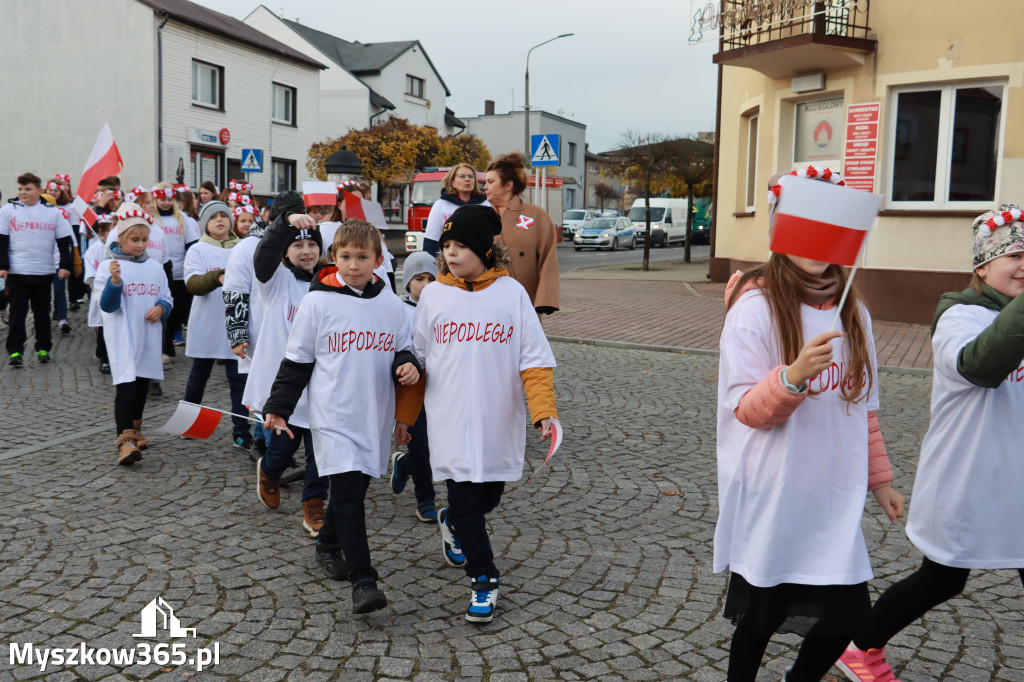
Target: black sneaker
{"x":332,"y":562}
{"x":366,"y":597}
{"x":104,"y":368}
{"x":155,"y":390}
{"x":242,"y":440}
{"x":16,"y":360}
{"x":65,"y":327}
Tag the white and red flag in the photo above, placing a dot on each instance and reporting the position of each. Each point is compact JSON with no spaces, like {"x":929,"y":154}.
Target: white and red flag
{"x":317,"y":193}
{"x":192,"y":421}
{"x":822,"y":221}
{"x":104,"y":161}
{"x":361,"y":209}
{"x":556,"y":442}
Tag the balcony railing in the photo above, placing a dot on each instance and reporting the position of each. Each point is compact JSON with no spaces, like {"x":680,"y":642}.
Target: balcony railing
{"x":746,"y":23}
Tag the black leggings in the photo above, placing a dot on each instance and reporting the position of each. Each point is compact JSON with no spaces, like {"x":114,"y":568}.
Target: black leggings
{"x":817,"y":655}
{"x":129,"y":402}
{"x":911,"y":598}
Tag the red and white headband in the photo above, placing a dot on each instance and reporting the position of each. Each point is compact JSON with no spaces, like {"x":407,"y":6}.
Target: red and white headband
{"x":163,"y":193}
{"x":116,"y":193}
{"x":135,"y":193}
{"x":240,"y":198}
{"x":247,"y":208}
{"x":50,"y":184}
{"x":240,"y":186}
{"x":998,"y":220}
{"x":809,"y":172}
{"x":135,"y":213}
{"x":105,"y":217}
{"x":65,"y":177}
{"x":349,"y":185}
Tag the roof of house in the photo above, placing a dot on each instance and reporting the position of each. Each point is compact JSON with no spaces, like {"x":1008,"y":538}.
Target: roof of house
{"x":360,"y":58}
{"x":223,"y":25}
{"x":450,"y":119}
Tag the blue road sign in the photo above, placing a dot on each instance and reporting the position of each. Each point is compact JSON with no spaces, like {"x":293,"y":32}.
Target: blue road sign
{"x":544,"y":149}
{"x":252,"y":160}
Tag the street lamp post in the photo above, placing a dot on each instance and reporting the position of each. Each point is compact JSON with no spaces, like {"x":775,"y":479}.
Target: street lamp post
{"x":526,"y":107}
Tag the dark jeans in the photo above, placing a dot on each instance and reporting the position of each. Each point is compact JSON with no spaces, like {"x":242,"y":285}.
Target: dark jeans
{"x":60,"y":298}
{"x":24,"y":290}
{"x":101,"y":346}
{"x":417,"y":463}
{"x":178,"y":315}
{"x":279,"y":457}
{"x":196,"y":386}
{"x":468,"y":503}
{"x":345,"y":524}
{"x":911,"y":598}
{"x":129,"y":402}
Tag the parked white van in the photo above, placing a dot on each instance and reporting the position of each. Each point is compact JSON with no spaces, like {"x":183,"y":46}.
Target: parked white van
{"x":668,"y":220}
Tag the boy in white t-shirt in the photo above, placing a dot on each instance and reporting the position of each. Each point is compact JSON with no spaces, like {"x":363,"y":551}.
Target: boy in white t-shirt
{"x":476,"y":321}
{"x":29,"y":229}
{"x":350,"y":340}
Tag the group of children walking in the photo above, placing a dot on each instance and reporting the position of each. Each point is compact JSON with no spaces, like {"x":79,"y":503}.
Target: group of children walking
{"x":799,"y":445}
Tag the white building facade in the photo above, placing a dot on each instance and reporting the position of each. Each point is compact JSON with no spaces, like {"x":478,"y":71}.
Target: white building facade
{"x":185,"y":91}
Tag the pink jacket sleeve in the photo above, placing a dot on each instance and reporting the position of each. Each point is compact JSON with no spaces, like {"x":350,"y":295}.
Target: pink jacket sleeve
{"x":879,"y":468}
{"x":769,"y":403}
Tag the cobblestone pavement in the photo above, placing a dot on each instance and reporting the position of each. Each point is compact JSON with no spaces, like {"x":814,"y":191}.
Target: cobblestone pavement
{"x":605,"y":558}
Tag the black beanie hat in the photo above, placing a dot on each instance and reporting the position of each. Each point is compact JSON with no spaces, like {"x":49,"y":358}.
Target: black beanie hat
{"x":475,"y":226}
{"x":288,"y":201}
{"x":306,"y":234}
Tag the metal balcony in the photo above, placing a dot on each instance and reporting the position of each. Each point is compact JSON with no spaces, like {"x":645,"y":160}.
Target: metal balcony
{"x":786,"y":38}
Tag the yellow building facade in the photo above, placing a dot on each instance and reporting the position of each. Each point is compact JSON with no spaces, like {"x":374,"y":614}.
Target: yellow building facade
{"x":944,"y":143}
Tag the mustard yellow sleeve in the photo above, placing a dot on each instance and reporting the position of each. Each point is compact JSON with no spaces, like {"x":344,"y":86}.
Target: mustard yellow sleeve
{"x":539,"y":384}
{"x":409,"y":401}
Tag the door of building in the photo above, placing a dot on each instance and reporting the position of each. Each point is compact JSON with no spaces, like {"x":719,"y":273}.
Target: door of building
{"x":208,"y":164}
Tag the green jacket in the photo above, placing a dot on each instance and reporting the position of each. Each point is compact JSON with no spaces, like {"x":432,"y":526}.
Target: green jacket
{"x":998,"y":350}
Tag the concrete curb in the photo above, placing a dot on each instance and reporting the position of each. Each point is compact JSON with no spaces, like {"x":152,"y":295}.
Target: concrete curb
{"x":892,"y":369}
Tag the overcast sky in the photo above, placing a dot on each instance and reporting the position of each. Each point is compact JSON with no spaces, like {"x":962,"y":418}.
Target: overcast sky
{"x":628,"y":66}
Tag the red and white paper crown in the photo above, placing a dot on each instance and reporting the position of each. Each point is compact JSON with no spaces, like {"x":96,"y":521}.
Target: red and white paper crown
{"x":135,"y":193}
{"x":163,"y":193}
{"x":998,"y":220}
{"x":246,"y":208}
{"x":810,"y":172}
{"x":315,"y":193}
{"x":50,"y":184}
{"x":134,"y":211}
{"x":240,"y":186}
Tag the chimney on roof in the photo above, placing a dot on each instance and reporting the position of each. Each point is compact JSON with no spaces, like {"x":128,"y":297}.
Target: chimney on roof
{"x":488,"y":107}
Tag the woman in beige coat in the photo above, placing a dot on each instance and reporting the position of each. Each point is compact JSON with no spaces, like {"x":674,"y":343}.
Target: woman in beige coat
{"x":527,"y":231}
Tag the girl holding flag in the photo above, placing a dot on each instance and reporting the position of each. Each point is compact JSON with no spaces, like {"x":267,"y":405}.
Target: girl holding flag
{"x":797,"y":450}
{"x":967,"y":507}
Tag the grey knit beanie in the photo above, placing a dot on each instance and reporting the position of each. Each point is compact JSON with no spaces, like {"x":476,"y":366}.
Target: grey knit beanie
{"x":210,"y":209}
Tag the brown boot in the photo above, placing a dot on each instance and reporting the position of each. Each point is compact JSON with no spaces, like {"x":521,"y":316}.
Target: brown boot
{"x":313,"y":516}
{"x":267,"y":488}
{"x":140,"y":440}
{"x":127,"y":447}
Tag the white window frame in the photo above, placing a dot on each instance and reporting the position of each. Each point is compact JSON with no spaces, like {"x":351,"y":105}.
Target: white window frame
{"x":945,"y":145}
{"x":410,"y":81}
{"x":286,"y":163}
{"x":218,"y":71}
{"x":290,"y":101}
{"x":750,"y":176}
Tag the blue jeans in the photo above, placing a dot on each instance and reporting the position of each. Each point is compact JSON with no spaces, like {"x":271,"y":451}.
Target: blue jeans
{"x":60,"y":298}
{"x":260,"y":433}
{"x":280,"y":450}
{"x":417,"y":464}
{"x":196,"y":386}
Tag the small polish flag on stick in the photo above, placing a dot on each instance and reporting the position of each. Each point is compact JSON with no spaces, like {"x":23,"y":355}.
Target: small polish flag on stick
{"x":361,"y":209}
{"x":316,"y":193}
{"x":822,"y":221}
{"x":197,"y":421}
{"x":556,"y":442}
{"x":104,"y":161}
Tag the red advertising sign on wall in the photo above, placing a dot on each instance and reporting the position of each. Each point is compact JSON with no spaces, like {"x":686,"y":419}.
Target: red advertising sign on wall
{"x":861,"y":146}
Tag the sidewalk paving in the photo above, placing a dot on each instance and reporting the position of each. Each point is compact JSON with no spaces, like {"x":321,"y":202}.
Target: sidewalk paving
{"x":674,"y":305}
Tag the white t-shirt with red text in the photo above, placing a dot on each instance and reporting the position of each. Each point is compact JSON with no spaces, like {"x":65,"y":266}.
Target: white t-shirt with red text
{"x":207,"y":334}
{"x":353,"y":341}
{"x":791,"y":497}
{"x":175,"y":239}
{"x":33,"y":231}
{"x":968,"y":503}
{"x":473,"y":345}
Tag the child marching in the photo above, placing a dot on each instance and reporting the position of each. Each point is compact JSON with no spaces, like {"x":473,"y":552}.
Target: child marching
{"x":350,"y":344}
{"x":285,"y":261}
{"x":967,"y":505}
{"x":476,"y":321}
{"x":799,"y":445}
{"x":134,"y":298}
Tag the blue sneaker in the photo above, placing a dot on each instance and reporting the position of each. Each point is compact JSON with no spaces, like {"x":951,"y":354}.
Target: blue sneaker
{"x":483,"y":600}
{"x":242,"y":440}
{"x":426,"y":512}
{"x":179,"y":340}
{"x":398,"y":476}
{"x":450,"y":547}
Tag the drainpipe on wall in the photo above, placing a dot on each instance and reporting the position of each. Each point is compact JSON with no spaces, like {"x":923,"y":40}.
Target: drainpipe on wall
{"x":160,"y":98}
{"x":376,"y":115}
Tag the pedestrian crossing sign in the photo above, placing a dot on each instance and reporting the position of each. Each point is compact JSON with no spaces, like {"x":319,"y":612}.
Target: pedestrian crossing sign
{"x":252,"y":160}
{"x":544,"y":149}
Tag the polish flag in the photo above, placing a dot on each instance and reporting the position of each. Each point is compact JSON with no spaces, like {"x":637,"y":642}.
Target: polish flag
{"x":315,"y":193}
{"x":192,"y":421}
{"x":104,"y":161}
{"x":556,"y":442}
{"x":822,"y":221}
{"x":83,"y":209}
{"x":361,"y":209}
